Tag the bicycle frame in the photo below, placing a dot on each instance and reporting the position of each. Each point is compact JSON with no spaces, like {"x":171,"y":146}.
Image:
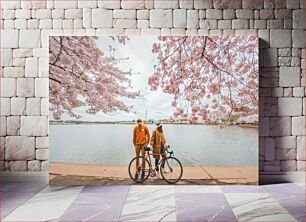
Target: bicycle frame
{"x":164,"y":156}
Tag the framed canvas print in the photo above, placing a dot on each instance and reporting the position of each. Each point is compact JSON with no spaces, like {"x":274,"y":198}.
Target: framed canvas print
{"x":153,"y":110}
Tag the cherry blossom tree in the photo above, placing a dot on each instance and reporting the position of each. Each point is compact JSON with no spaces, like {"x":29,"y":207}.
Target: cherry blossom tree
{"x":82,"y":75}
{"x":208,"y":75}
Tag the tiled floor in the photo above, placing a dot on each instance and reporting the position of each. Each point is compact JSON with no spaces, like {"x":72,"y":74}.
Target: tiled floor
{"x":39,"y":202}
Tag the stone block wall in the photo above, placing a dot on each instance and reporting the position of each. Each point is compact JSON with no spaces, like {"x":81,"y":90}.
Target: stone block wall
{"x":26,"y":25}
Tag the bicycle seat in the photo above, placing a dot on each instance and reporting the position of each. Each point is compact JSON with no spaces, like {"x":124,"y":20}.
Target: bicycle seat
{"x":147,"y":148}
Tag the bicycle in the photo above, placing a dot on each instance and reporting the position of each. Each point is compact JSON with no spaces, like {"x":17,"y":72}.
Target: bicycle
{"x":170,"y":167}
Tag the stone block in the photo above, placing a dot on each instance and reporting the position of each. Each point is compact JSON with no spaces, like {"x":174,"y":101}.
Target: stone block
{"x":288,"y":92}
{"x":8,"y":87}
{"x":13,"y":72}
{"x":5,"y":106}
{"x":143,"y":14}
{"x":229,"y":14}
{"x":43,"y":67}
{"x":293,"y":4}
{"x":264,"y":38}
{"x":123,"y":13}
{"x":150,"y":32}
{"x":25,"y":87}
{"x":301,"y":166}
{"x":41,"y":87}
{"x":33,"y":106}
{"x":10,"y":4}
{"x":246,"y":32}
{"x":18,"y":106}
{"x":3,"y":129}
{"x":23,"y":14}
{"x":301,"y":148}
{"x":285,"y":142}
{"x":68,"y":24}
{"x":178,"y":32}
{"x":280,"y":126}
{"x":44,"y":165}
{"x":29,"y":38}
{"x":289,"y":76}
{"x":208,"y":24}
{"x":19,"y":148}
{"x":214,"y":14}
{"x":125,"y":23}
{"x":136,"y":4}
{"x":298,"y":19}
{"x":179,"y":18}
{"x":203,"y":4}
{"x":245,"y":14}
{"x":160,"y":18}
{"x":42,"y":154}
{"x":13,"y":125}
{"x":277,"y":92}
{"x":34,"y":165}
{"x":285,"y":154}
{"x":102,"y":18}
{"x":73,"y":13}
{"x":42,"y":142}
{"x":31,"y":67}
{"x":240,"y":24}
{"x":34,"y":126}
{"x":109,"y":4}
{"x":19,"y":62}
{"x":187,"y":4}
{"x":33,"y":4}
{"x":284,"y":52}
{"x":192,"y":19}
{"x":86,"y":18}
{"x":298,"y":38}
{"x":43,"y":14}
{"x":58,"y":13}
{"x":289,"y":106}
{"x":227,"y":4}
{"x":288,"y":165}
{"x":8,"y":14}
{"x":20,"y":23}
{"x":252,"y":4}
{"x":298,"y":92}
{"x":280,"y":38}
{"x":22,"y":53}
{"x":6,"y":57}
{"x":266,"y":14}
{"x":270,"y":57}
{"x":271,"y":168}
{"x":66,"y":4}
{"x":142,"y":24}
{"x":9,"y":38}
{"x":18,"y":165}
{"x":298,"y":125}
{"x":224,"y":24}
{"x":269,"y":148}
{"x":87,"y":4}
{"x":264,"y":126}
{"x":164,"y":4}
{"x":283,"y":14}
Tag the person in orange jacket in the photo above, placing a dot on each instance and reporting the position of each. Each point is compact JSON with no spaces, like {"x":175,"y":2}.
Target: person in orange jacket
{"x":141,"y":138}
{"x":157,"y":143}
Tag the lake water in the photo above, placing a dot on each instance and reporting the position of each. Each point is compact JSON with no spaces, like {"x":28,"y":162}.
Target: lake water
{"x":193,"y":145}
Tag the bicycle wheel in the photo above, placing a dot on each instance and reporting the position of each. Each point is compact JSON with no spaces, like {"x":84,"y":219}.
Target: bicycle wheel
{"x":171,"y":170}
{"x":136,"y":172}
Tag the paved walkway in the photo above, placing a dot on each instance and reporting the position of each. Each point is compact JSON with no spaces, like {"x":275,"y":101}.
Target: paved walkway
{"x":39,"y":202}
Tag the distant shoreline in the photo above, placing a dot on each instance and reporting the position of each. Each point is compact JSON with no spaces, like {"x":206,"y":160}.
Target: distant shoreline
{"x":132,"y":123}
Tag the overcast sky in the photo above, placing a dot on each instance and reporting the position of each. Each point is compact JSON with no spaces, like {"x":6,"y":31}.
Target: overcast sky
{"x":141,"y":61}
